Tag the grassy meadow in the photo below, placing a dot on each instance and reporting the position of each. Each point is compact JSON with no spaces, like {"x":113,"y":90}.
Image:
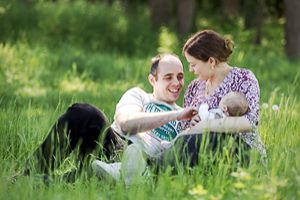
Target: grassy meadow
{"x":55,"y":54}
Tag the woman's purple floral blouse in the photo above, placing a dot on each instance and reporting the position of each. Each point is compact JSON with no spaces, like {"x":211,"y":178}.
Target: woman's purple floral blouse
{"x":239,"y":80}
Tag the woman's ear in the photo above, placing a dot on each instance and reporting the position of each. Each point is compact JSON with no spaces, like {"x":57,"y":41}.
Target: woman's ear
{"x":151,"y":79}
{"x":212,"y":62}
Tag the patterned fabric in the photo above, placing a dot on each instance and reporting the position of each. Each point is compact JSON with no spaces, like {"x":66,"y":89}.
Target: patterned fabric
{"x":168,"y":131}
{"x":238,"y":80}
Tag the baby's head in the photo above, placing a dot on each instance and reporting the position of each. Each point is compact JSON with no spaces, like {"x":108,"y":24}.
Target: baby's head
{"x":234,"y":104}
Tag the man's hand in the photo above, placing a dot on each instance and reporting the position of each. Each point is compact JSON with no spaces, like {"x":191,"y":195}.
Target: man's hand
{"x":187,"y":113}
{"x":195,"y":120}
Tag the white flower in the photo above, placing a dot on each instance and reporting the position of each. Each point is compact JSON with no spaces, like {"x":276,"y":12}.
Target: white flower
{"x":275,"y":107}
{"x":265,"y":105}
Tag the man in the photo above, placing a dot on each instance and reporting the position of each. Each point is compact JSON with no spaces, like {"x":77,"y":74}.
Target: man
{"x":138,"y":115}
{"x":137,"y":119}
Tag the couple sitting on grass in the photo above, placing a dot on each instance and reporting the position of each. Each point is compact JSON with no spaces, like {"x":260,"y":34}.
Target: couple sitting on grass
{"x":222,"y":104}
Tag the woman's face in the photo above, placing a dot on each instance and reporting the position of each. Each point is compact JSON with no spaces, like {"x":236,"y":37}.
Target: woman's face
{"x":201,"y":69}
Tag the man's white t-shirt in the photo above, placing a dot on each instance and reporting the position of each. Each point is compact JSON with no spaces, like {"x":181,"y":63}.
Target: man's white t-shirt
{"x":149,"y":140}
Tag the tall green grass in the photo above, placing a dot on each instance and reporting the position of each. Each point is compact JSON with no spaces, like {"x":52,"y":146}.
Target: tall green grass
{"x":55,"y":54}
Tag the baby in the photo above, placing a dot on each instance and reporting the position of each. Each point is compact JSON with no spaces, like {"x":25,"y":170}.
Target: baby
{"x":232,"y":104}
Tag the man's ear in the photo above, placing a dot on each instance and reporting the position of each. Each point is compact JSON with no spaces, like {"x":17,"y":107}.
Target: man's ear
{"x":151,"y":79}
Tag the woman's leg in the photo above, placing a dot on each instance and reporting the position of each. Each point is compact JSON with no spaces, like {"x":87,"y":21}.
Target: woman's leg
{"x":81,"y":125}
{"x":189,"y":149}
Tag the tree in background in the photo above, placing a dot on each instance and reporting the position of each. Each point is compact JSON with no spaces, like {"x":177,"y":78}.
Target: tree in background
{"x":275,"y":7}
{"x":231,"y":8}
{"x":292,"y":28}
{"x":160,"y":11}
{"x":163,"y":11}
{"x":182,"y":14}
{"x":253,"y":12}
{"x":185,"y":16}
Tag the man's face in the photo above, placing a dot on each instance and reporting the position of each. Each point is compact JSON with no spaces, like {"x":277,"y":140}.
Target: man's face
{"x":169,"y":80}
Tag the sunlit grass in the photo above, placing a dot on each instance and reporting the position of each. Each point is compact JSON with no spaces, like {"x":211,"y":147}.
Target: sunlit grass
{"x":168,"y":41}
{"x":26,"y":119}
{"x":69,"y":61}
{"x":28,"y":124}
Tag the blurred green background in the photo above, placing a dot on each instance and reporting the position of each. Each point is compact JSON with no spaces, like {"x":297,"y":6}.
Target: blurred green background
{"x":79,"y":48}
{"x":55,"y":53}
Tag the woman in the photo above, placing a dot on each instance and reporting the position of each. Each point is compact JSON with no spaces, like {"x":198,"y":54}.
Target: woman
{"x":207,"y":53}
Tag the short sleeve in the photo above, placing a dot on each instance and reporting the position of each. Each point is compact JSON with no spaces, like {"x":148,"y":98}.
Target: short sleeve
{"x":132,"y":97}
{"x":250,"y":88}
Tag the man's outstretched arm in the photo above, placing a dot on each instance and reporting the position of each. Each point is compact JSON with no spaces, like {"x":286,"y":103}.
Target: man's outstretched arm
{"x":133,"y":120}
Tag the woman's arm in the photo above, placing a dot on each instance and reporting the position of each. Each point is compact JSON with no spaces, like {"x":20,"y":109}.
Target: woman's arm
{"x":250,"y":88}
{"x":224,"y":125}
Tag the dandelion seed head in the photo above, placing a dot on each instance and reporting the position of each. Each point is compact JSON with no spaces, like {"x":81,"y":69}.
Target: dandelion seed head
{"x":275,"y":107}
{"x":265,"y":105}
